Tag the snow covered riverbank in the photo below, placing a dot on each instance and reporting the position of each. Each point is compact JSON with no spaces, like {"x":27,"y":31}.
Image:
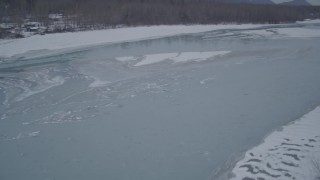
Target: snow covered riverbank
{"x":10,"y":48}
{"x":291,"y":153}
{"x":67,"y":41}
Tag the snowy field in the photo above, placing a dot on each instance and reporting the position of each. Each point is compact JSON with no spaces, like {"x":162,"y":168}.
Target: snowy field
{"x":164,"y":102}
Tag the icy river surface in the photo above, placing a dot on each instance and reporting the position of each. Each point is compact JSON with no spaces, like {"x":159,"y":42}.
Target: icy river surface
{"x":174,"y":108}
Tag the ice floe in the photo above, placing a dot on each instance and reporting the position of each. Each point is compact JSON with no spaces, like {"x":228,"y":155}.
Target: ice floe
{"x":175,"y":57}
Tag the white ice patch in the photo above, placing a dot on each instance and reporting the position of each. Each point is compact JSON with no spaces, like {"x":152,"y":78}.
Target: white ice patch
{"x":179,"y":57}
{"x":197,"y":56}
{"x":292,"y":153}
{"x":155,"y":58}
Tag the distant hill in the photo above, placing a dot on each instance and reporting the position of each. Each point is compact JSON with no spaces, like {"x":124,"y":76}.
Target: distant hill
{"x":250,"y":1}
{"x":296,"y":3}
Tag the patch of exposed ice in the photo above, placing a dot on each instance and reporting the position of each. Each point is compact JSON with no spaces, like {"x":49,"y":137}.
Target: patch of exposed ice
{"x":299,"y":32}
{"x":98,"y":83}
{"x":292,"y":153}
{"x":126,"y":58}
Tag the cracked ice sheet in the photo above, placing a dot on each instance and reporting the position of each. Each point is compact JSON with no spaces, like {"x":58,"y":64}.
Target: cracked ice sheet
{"x":292,"y":153}
{"x":30,"y":83}
{"x":176,"y":57}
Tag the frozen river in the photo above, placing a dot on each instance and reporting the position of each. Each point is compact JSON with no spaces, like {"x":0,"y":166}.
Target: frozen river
{"x":174,"y":108}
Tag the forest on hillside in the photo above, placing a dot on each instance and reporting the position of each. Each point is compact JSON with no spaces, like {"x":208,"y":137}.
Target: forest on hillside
{"x":152,"y":12}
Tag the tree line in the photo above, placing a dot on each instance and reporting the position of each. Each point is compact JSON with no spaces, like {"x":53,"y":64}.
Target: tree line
{"x":153,"y":12}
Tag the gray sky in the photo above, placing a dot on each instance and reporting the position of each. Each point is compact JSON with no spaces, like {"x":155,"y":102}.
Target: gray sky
{"x":313,"y":2}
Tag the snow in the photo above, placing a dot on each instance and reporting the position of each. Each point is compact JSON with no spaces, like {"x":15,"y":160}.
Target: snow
{"x":9,"y":48}
{"x":292,"y":153}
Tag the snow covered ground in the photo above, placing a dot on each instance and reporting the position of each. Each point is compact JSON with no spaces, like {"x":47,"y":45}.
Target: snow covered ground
{"x":290,"y":153}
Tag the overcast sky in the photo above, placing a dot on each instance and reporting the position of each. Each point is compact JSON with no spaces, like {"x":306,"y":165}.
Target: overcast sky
{"x":314,"y":2}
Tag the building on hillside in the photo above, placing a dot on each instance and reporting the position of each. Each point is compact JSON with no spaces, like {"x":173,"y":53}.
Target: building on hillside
{"x":33,"y":26}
